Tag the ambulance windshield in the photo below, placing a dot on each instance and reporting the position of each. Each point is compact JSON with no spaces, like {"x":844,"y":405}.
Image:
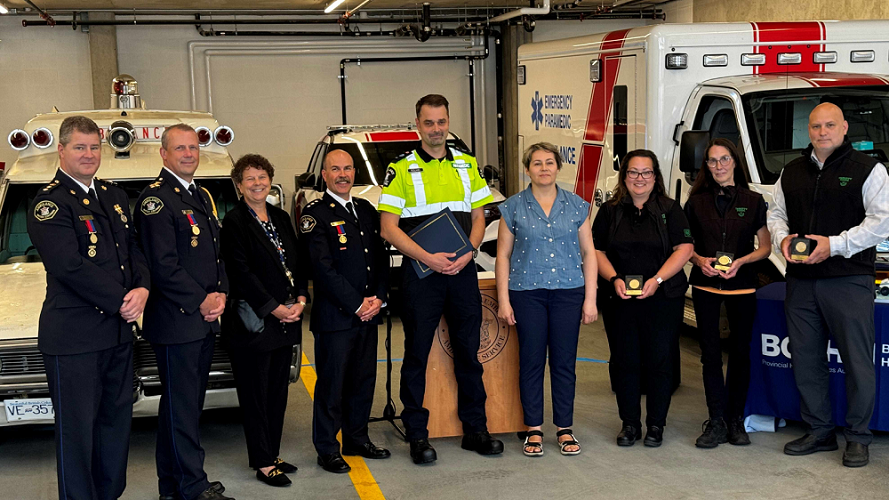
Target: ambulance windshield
{"x":372,"y":158}
{"x":778,"y":123}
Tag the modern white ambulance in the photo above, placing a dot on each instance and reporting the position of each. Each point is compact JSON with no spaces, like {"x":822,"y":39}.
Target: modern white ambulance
{"x":130,"y":158}
{"x":671,"y":87}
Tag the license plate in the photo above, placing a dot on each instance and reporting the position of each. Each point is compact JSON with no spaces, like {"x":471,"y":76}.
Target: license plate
{"x":29,"y":409}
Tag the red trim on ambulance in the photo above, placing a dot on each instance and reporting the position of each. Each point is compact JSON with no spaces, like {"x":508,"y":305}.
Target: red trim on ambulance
{"x":588,"y":171}
{"x":842,"y":80}
{"x":775,"y":33}
{"x":392,"y":136}
{"x":597,"y":118}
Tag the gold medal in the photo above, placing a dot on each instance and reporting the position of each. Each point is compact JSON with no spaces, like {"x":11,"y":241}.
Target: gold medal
{"x":800,"y":246}
{"x":195,"y":230}
{"x":123,"y":218}
{"x":343,"y":238}
{"x":634,"y":283}
{"x":194,"y":241}
{"x":92,"y":251}
{"x":93,"y":238}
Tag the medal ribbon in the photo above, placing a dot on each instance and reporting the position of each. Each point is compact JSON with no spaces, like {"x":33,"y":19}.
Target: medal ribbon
{"x":340,"y":230}
{"x":191,"y":219}
{"x":90,"y":227}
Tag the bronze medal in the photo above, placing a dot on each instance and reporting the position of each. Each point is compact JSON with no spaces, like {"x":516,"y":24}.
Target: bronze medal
{"x":123,"y":218}
{"x":194,"y":241}
{"x":93,"y":238}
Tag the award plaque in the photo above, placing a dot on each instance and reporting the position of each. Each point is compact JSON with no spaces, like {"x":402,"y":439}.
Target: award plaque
{"x":723,"y":261}
{"x":800,"y":248}
{"x":634,"y":284}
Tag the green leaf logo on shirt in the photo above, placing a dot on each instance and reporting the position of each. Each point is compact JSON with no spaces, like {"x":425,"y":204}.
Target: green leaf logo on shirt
{"x":844,"y":181}
{"x":742,"y":211}
{"x":687,"y":233}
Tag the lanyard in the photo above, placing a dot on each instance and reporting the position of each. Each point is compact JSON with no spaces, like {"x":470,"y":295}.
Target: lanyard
{"x":272,"y":235}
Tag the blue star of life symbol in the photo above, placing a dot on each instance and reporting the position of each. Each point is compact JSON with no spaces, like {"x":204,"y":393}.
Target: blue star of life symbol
{"x":537,"y":110}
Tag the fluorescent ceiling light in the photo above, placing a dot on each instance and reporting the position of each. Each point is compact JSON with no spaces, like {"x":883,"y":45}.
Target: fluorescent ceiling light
{"x":334,"y":4}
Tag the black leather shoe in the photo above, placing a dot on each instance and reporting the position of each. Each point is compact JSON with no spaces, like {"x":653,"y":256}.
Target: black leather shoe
{"x":285,"y":467}
{"x":737,"y":434}
{"x":213,"y":494}
{"x":367,"y":450}
{"x":654,"y":437}
{"x":482,"y":443}
{"x":333,"y":462}
{"x":715,"y":433}
{"x":422,"y":452}
{"x":856,"y":454}
{"x":274,"y":478}
{"x":809,"y":444}
{"x":628,"y":435}
{"x":214,"y":485}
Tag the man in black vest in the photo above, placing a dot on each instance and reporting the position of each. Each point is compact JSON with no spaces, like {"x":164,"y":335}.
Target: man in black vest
{"x":97,"y":283}
{"x":340,"y":235}
{"x":838,"y":198}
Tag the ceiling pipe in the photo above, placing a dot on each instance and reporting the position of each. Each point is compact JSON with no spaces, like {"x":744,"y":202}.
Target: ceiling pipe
{"x":525,"y":11}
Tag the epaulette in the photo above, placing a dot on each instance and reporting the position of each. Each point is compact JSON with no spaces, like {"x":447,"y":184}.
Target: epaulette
{"x":157,"y":183}
{"x":464,"y":150}
{"x":313,"y":202}
{"x":105,"y":181}
{"x":401,"y":156}
{"x":52,"y":185}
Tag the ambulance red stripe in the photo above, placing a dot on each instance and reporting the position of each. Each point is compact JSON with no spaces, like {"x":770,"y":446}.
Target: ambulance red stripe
{"x":392,"y":136}
{"x":775,"y":33}
{"x":843,"y":80}
{"x":597,"y":118}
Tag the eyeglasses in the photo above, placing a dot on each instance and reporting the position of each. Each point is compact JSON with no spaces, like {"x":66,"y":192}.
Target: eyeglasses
{"x":635,"y":174}
{"x":723,"y":160}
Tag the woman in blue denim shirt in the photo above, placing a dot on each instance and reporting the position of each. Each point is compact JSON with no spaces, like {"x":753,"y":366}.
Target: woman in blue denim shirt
{"x":546,"y":285}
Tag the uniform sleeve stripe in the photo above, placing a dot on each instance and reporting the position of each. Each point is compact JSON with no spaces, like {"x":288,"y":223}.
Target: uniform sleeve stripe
{"x":392,"y":201}
{"x":480,"y":194}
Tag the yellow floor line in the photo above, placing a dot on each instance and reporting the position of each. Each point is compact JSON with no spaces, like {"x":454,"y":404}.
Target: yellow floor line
{"x":364,"y":482}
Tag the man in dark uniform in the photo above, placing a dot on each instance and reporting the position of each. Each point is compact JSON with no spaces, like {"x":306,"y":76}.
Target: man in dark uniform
{"x":96,"y":286}
{"x":179,"y":230}
{"x":341,"y":236}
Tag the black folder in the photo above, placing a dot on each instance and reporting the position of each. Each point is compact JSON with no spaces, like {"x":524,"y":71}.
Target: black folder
{"x":439,"y":233}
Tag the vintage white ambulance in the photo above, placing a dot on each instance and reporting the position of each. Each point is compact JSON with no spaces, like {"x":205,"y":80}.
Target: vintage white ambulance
{"x":130,"y":158}
{"x":670,"y":88}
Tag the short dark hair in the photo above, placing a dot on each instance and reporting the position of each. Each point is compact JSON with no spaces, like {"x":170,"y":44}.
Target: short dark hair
{"x":541,"y":146}
{"x":705,"y":181}
{"x":251,"y":160}
{"x":433,"y":100}
{"x":179,"y":126}
{"x":620,"y":191}
{"x":79,"y":123}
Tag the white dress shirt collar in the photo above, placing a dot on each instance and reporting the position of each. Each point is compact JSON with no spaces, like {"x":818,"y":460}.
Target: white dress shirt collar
{"x":182,"y":181}
{"x":86,"y":188}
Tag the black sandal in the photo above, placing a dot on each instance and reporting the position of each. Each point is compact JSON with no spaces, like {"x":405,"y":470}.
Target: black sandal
{"x":568,"y":442}
{"x":531,"y":445}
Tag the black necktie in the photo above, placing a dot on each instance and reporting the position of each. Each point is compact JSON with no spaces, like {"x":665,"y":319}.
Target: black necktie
{"x":351,"y":210}
{"x":93,"y":194}
{"x":194,"y":192}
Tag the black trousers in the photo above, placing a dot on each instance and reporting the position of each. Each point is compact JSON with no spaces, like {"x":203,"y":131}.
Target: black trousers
{"x":425,"y":300}
{"x":643,"y":332}
{"x":262,"y":380}
{"x":726,"y":396}
{"x":843,"y":307}
{"x":92,"y":396}
{"x":346,"y":363}
{"x":184,"y":372}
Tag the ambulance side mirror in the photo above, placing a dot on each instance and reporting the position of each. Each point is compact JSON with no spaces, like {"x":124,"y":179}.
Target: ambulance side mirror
{"x":692,"y":148}
{"x":305,"y":180}
{"x":489,"y":173}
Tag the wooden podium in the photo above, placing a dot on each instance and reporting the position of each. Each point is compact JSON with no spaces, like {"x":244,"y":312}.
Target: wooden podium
{"x":498,"y":353}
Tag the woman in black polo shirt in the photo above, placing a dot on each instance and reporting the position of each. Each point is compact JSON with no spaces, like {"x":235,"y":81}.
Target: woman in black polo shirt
{"x":725,"y":215}
{"x":641,"y":237}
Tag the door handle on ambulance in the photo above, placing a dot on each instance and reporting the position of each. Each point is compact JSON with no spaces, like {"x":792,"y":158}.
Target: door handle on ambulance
{"x":598,"y":197}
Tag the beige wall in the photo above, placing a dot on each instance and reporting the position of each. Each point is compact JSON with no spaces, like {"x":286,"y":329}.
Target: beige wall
{"x":788,"y":10}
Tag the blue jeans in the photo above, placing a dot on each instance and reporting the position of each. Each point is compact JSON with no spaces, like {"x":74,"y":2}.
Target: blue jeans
{"x":547,"y":318}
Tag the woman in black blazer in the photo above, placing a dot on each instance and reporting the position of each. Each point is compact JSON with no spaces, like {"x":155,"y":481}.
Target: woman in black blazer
{"x":263,"y":319}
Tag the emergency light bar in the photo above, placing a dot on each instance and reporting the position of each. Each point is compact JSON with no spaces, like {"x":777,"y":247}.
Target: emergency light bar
{"x":19,"y":139}
{"x":204,"y":136}
{"x":42,"y":138}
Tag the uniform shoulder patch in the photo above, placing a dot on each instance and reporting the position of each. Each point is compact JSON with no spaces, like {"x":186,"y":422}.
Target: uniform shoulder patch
{"x":456,"y":150}
{"x":45,"y":210}
{"x":313,"y":202}
{"x":307,"y":223}
{"x":390,"y":176}
{"x":151,"y":205}
{"x":105,"y":181}
{"x":402,"y":156}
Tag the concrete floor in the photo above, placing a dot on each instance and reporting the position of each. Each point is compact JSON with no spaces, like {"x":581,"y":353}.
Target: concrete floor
{"x":676,"y":470}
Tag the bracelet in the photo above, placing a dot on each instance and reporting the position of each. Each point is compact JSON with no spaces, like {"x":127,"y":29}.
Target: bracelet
{"x":302,"y":303}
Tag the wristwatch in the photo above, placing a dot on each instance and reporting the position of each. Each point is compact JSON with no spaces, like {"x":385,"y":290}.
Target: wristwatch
{"x":475,"y":253}
{"x":659,"y":280}
{"x":615,"y":278}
